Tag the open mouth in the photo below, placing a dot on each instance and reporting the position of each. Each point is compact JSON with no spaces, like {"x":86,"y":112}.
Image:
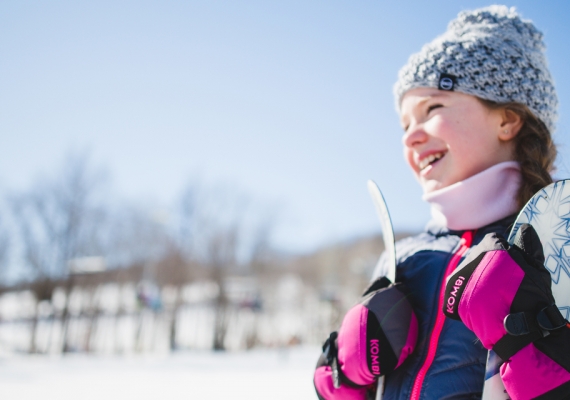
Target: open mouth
{"x":429,"y":160}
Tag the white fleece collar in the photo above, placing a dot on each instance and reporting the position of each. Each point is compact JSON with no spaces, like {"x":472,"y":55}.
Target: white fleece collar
{"x":478,"y":200}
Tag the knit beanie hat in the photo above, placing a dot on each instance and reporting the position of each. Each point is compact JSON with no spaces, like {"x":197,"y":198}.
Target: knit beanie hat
{"x":490,"y":53}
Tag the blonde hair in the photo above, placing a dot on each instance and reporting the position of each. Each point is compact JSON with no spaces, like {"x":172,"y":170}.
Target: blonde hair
{"x":534,"y":150}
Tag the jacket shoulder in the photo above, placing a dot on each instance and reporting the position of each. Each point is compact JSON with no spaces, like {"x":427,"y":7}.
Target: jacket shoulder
{"x":407,"y":247}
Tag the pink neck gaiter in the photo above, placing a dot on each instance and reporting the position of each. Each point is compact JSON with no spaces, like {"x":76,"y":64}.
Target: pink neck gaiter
{"x":478,"y":200}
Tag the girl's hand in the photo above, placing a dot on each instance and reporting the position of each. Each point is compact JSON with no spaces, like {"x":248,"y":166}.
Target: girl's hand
{"x":375,"y":337}
{"x":503,"y":294}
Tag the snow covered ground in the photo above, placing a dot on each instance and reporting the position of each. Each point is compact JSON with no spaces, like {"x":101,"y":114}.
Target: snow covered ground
{"x":277,"y":374}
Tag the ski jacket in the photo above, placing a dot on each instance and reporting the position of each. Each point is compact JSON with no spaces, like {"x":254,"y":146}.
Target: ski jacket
{"x":449,"y":360}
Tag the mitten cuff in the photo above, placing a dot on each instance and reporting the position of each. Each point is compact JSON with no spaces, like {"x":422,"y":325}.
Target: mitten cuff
{"x":532,"y":374}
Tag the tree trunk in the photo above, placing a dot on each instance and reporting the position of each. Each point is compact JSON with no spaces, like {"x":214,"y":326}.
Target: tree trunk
{"x":34,"y":329}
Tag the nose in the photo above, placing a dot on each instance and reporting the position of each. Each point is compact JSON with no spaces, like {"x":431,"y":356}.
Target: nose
{"x":414,"y":136}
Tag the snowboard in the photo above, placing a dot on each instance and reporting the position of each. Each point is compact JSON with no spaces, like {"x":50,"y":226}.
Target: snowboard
{"x":548,"y":211}
{"x":389,"y":247}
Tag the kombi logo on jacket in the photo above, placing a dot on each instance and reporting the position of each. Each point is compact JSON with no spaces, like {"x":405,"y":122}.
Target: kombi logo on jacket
{"x":451,"y":299}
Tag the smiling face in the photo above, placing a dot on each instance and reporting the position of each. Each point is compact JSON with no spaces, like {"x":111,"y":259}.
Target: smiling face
{"x":450,"y":136}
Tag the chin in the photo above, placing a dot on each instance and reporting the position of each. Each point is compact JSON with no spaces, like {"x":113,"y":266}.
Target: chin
{"x":431,"y":186}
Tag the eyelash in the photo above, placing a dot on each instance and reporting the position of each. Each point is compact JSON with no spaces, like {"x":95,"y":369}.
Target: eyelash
{"x":433,"y":107}
{"x":430,"y":109}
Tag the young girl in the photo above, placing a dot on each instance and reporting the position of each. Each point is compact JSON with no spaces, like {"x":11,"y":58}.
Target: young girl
{"x":477,"y":106}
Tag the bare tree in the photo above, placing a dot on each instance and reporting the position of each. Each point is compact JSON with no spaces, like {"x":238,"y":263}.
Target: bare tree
{"x":221,"y":256}
{"x":58,"y":220}
{"x":5,"y":245}
{"x":174,"y":271}
{"x":230,"y":235}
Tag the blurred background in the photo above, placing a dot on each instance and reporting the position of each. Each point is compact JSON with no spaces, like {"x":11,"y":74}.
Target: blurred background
{"x":187,"y":179}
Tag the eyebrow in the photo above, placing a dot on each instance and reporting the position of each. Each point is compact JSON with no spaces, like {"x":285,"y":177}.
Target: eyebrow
{"x":433,"y":96}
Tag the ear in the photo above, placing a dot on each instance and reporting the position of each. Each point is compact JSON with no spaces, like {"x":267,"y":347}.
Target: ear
{"x":511,"y":124}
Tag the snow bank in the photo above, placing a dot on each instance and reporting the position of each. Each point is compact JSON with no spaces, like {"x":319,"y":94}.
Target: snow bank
{"x":277,"y":374}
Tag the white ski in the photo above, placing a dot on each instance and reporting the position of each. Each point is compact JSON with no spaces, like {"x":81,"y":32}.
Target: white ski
{"x":389,"y":247}
{"x":548,"y":211}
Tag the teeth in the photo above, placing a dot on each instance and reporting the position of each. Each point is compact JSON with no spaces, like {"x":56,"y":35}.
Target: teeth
{"x":429,"y":159}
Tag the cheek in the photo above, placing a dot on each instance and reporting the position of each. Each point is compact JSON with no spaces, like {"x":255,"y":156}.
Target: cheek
{"x":444,"y":129}
{"x":455,"y":135}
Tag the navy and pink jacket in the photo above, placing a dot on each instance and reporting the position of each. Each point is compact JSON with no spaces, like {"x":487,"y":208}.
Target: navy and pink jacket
{"x":449,"y":360}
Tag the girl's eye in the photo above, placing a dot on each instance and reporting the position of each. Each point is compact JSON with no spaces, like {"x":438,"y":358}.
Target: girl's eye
{"x":433,"y":107}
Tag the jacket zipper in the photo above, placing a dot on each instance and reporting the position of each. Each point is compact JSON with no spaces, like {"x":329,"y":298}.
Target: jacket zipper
{"x":464,"y":244}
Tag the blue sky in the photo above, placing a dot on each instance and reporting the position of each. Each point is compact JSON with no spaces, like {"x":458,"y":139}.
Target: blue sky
{"x":289,"y":101}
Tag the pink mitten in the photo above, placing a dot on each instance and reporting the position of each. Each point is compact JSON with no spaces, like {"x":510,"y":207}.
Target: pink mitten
{"x":375,"y":337}
{"x":503,"y":294}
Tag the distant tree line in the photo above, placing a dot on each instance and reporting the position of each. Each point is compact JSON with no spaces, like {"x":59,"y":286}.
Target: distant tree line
{"x":64,"y":238}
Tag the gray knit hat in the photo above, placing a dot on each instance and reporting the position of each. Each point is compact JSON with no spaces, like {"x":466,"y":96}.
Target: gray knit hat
{"x":490,"y":53}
